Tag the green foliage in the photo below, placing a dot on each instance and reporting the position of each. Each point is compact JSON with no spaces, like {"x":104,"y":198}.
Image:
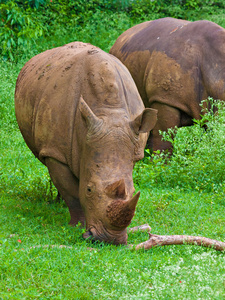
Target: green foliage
{"x":184,"y":9}
{"x":18,"y":30}
{"x":34,"y":3}
{"x":26,"y":3}
{"x":198,"y":159}
{"x":24,"y":25}
{"x":109,"y":30}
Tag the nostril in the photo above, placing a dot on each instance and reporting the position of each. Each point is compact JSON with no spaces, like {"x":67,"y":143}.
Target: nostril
{"x":87,"y":234}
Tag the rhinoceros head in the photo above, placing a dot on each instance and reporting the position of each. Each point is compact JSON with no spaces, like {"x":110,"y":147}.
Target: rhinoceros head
{"x":112,"y":145}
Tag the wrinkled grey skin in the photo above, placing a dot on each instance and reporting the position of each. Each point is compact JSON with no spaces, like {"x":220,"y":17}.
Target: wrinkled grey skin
{"x":81,"y":115}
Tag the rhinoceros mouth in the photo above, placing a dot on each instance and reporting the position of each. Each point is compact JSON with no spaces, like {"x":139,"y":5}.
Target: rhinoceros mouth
{"x":116,"y":238}
{"x":88,"y":234}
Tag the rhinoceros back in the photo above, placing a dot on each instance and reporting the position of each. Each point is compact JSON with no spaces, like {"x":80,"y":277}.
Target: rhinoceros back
{"x":49,"y":88}
{"x":175,"y":62}
{"x":46,"y":97}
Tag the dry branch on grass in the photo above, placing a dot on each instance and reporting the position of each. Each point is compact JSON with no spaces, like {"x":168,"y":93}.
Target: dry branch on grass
{"x":163,"y":240}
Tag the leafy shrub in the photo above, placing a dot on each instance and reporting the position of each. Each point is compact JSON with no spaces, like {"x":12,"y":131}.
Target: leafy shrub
{"x":34,"y":3}
{"x":184,"y":9}
{"x":18,"y":30}
{"x":198,"y":159}
{"x":26,"y":3}
{"x":103,"y":29}
{"x":25,"y":26}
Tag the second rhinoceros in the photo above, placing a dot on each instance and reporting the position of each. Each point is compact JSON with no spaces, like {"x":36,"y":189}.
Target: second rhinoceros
{"x":81,"y":115}
{"x":175,"y":64}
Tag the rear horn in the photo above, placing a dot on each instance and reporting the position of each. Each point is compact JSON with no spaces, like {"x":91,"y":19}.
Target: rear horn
{"x":116,"y":190}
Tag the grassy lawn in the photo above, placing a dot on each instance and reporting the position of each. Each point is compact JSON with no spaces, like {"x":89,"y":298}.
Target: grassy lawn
{"x":42,"y":257}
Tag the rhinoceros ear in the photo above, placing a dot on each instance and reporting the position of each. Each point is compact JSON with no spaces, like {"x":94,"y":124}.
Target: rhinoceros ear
{"x":145,"y":122}
{"x":90,"y":118}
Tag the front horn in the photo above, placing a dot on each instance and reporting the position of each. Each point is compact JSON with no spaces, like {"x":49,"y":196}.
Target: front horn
{"x":120,"y":212}
{"x":131,"y":204}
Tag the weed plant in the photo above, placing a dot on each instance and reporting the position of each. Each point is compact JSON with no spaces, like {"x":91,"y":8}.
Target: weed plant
{"x":198,"y":159}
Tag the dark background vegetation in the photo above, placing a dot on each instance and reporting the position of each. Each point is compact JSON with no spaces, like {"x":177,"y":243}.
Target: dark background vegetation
{"x":30,"y":26}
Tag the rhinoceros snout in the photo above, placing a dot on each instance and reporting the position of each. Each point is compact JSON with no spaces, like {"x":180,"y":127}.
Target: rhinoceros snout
{"x":88,"y":234}
{"x":118,"y":239}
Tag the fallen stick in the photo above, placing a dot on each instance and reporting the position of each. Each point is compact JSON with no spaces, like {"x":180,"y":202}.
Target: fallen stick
{"x":163,"y":240}
{"x":144,"y":227}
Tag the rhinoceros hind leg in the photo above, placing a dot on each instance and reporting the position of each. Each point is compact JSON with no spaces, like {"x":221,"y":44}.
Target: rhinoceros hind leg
{"x":168,"y":117}
{"x":68,"y":187}
{"x":58,"y":198}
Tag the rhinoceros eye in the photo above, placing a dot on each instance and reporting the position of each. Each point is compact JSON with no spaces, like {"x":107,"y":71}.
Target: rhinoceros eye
{"x":90,"y":189}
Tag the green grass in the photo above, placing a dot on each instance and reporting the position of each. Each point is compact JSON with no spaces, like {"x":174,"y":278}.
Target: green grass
{"x":34,"y":266}
{"x":42,"y":257}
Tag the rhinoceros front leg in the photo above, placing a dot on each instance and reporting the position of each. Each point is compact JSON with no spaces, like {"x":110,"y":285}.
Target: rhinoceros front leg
{"x":68,"y":187}
{"x":168,"y":117}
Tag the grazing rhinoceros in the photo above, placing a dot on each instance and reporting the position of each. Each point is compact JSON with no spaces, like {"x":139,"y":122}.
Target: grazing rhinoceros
{"x":175,"y":64}
{"x":80,"y":113}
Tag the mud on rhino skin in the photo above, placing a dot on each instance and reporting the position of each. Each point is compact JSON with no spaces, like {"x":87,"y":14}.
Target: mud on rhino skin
{"x":175,"y":64}
{"x":81,"y":115}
